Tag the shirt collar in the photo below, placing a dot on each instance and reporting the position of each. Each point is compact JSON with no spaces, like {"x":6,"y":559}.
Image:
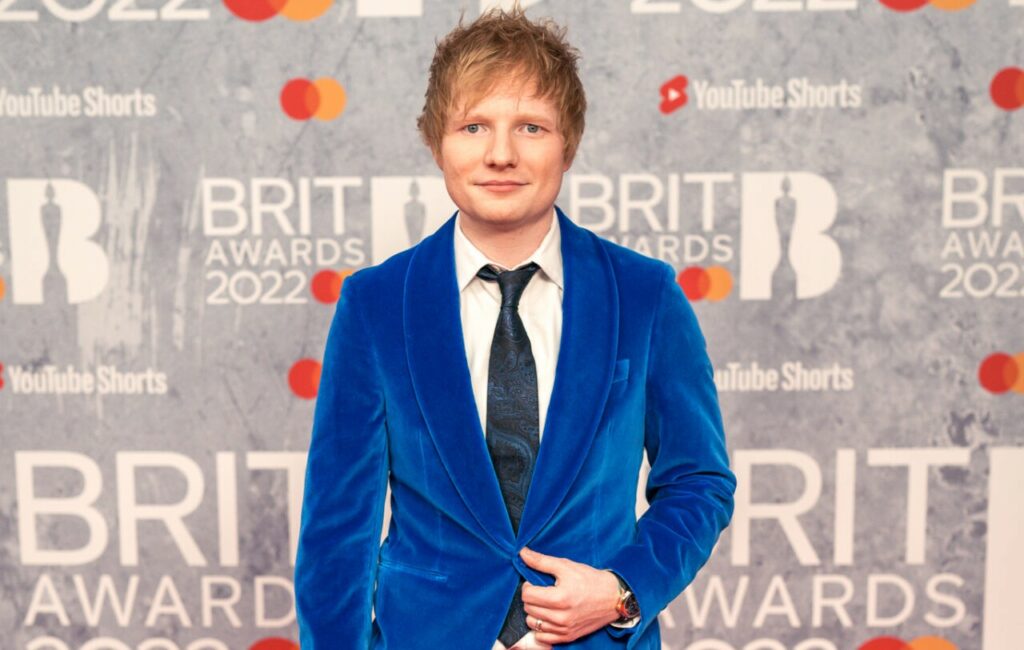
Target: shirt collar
{"x":548,"y":256}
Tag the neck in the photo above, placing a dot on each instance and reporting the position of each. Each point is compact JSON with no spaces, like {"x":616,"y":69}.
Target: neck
{"x":508,"y":248}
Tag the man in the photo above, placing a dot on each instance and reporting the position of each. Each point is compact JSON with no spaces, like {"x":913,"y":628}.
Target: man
{"x":504,"y":377}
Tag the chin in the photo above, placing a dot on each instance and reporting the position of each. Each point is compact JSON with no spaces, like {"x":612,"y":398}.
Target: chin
{"x":496,"y":214}
{"x":501,"y":220}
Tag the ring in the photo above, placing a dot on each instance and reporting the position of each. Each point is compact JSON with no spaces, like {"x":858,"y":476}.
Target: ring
{"x":540,"y":625}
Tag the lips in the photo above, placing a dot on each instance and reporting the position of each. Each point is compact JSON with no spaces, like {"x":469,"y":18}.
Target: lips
{"x":501,"y":186}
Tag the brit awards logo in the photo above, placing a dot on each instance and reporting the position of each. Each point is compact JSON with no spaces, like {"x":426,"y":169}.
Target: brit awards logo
{"x":780,"y":238}
{"x":274,"y":240}
{"x":784,"y":248}
{"x":405,"y":209}
{"x":54,"y":259}
{"x":983,"y":217}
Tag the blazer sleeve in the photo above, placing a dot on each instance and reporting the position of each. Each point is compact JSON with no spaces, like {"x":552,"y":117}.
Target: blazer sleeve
{"x":346,"y":483}
{"x":690,"y":486}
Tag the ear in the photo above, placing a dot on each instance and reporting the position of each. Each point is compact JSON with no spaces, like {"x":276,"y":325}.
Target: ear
{"x":568,"y":157}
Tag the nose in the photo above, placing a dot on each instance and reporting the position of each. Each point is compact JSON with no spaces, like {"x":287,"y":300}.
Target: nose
{"x":501,"y":150}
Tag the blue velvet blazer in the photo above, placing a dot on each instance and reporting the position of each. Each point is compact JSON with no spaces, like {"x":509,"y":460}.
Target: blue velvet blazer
{"x":396,"y":405}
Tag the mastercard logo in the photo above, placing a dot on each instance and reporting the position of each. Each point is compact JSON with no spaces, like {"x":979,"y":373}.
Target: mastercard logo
{"x":304,"y":380}
{"x":912,"y":5}
{"x":1000,"y":373}
{"x":326,"y":285}
{"x":260,"y":10}
{"x":920,"y":643}
{"x":302,"y":99}
{"x":713,"y":283}
{"x":274,"y":643}
{"x":3,"y":288}
{"x":1007,"y":89}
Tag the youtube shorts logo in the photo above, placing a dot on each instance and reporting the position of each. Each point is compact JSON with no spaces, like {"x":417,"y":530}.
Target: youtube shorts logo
{"x":673,"y":94}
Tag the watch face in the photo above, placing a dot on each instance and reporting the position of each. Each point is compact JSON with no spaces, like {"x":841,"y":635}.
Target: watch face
{"x":632,"y":607}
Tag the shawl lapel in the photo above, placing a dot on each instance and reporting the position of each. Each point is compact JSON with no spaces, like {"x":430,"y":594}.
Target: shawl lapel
{"x":441,"y":381}
{"x":583,"y":374}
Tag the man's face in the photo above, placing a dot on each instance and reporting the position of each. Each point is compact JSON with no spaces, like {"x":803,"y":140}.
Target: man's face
{"x":502,"y":158}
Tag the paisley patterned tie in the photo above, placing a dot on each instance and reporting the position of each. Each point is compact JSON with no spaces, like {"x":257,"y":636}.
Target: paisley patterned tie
{"x":513,"y":415}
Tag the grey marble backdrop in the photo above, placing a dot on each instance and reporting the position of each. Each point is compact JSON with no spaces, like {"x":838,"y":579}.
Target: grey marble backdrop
{"x":833,"y":179}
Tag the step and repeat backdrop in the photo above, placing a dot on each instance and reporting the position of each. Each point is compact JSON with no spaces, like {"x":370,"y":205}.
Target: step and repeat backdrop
{"x":185,"y":185}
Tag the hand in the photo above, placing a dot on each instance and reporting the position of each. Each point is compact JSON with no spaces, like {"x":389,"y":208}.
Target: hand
{"x":582,"y":600}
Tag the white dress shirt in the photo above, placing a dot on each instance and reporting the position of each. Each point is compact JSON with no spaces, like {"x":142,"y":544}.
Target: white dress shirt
{"x":540,"y":308}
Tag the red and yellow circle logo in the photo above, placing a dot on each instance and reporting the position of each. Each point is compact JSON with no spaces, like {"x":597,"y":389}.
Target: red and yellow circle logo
{"x":1007,"y":89}
{"x":920,"y":643}
{"x":713,"y":283}
{"x":912,"y":5}
{"x":3,"y":288}
{"x":260,"y":10}
{"x":304,"y":378}
{"x":302,"y":99}
{"x":274,"y":643}
{"x":1000,"y":373}
{"x":326,"y":285}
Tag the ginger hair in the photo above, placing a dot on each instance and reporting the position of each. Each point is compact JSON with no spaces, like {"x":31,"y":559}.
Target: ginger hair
{"x":499,"y":46}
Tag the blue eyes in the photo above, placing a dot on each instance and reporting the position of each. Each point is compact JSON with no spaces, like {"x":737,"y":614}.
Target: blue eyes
{"x":475,"y":128}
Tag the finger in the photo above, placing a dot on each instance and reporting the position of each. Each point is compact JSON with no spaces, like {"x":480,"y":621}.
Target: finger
{"x":545,"y":626}
{"x":553,"y":616}
{"x":553,"y":621}
{"x":552,"y":597}
{"x":546,"y":563}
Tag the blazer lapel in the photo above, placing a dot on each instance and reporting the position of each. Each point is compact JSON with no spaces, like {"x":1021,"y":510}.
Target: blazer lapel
{"x":441,"y":380}
{"x":583,"y":374}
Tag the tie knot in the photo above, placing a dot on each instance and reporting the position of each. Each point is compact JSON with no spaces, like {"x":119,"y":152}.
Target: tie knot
{"x":512,"y":283}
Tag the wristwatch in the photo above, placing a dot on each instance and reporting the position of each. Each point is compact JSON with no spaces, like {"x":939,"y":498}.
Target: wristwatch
{"x":627,"y":607}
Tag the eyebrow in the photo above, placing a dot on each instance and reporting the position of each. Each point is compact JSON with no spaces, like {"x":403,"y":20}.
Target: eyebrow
{"x":533,"y":118}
